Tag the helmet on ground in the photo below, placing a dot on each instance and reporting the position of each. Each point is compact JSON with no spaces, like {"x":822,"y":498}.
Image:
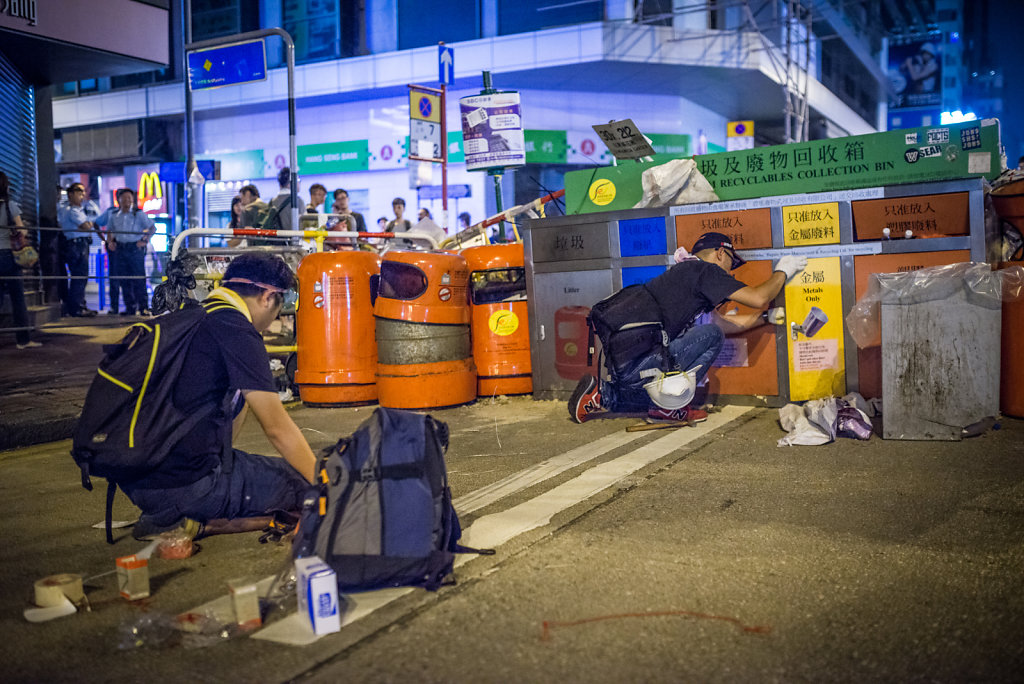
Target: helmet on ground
{"x":673,"y":390}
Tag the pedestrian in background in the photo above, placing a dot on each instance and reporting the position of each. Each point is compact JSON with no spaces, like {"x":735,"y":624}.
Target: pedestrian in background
{"x":464,"y":220}
{"x":76,"y":223}
{"x":398,"y":224}
{"x":317,"y":194}
{"x":12,"y":231}
{"x":237,"y":211}
{"x":341,"y":206}
{"x":128,"y":234}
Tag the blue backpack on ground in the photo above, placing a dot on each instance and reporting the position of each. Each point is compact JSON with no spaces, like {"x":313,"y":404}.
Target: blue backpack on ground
{"x":381,"y":512}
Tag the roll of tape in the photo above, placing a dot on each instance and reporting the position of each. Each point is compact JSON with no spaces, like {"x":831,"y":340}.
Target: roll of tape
{"x":50,"y":591}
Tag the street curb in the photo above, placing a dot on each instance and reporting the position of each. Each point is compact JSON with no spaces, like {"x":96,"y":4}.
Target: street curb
{"x":25,"y":435}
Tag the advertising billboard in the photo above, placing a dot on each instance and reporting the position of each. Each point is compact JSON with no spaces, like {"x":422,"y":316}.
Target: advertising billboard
{"x":915,"y":74}
{"x":492,"y":131}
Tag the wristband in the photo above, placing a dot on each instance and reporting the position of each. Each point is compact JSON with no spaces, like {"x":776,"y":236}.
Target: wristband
{"x":764,"y":315}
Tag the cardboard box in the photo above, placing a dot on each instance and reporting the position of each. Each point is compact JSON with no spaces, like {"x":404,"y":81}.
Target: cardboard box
{"x":132,"y":577}
{"x":317,"y":592}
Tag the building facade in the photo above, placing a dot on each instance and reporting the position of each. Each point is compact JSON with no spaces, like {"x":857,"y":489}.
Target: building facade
{"x":681,"y":70}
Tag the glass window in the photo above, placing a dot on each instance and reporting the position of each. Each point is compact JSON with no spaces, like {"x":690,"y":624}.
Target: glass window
{"x":520,"y":16}
{"x":315,"y":26}
{"x":425,"y":23}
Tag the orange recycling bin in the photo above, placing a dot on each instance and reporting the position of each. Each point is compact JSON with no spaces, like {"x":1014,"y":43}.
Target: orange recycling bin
{"x":337,"y":351}
{"x":501,"y":331}
{"x":425,"y":358}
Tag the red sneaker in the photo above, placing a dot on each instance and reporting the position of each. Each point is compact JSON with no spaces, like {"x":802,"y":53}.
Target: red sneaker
{"x":656,"y":414}
{"x":586,"y":399}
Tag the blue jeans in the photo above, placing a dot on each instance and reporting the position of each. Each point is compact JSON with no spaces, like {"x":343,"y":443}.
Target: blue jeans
{"x":243,"y":486}
{"x":698,"y":346}
{"x":10,"y":283}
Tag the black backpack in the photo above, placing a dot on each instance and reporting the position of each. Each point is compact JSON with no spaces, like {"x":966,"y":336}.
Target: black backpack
{"x":129,"y":422}
{"x":629,"y":325}
{"x":381,"y":511}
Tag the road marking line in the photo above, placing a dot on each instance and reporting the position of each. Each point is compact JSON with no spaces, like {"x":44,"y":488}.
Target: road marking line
{"x":491,"y":531}
{"x":544,"y":470}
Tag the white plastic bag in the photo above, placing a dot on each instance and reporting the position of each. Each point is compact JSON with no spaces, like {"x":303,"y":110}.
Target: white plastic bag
{"x":800,"y":430}
{"x":675,"y":182}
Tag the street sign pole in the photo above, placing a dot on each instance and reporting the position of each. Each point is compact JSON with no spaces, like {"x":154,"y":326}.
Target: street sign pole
{"x":444,"y":158}
{"x":495,"y":173}
{"x":290,"y":54}
{"x":191,"y":196}
{"x":446,"y":67}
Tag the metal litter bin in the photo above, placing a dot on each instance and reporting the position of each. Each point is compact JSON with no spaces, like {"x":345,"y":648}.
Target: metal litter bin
{"x":940,"y":331}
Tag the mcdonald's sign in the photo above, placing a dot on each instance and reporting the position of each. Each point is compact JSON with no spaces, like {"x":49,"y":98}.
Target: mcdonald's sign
{"x":151,"y":192}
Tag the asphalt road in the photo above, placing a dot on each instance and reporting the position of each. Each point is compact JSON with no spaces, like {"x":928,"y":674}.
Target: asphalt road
{"x":697,"y":554}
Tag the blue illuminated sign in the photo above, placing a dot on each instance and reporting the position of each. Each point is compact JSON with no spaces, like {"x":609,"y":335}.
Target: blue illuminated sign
{"x":227,"y":65}
{"x":636,"y":275}
{"x":642,"y":237}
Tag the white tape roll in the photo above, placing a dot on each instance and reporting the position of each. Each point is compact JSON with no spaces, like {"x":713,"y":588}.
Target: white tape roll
{"x":50,"y":591}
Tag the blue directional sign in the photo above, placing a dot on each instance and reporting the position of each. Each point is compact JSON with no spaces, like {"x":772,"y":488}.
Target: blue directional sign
{"x":227,"y":65}
{"x":446,"y":65}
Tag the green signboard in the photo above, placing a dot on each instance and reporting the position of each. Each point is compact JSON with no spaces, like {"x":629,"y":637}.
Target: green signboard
{"x":966,"y":150}
{"x":545,"y":147}
{"x":334,"y":157}
{"x":668,"y":146}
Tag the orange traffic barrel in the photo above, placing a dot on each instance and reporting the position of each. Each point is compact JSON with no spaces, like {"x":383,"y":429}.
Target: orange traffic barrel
{"x":1011,"y":385}
{"x":337,"y":352}
{"x":501,"y":337}
{"x":424,"y":354}
{"x":571,"y":342}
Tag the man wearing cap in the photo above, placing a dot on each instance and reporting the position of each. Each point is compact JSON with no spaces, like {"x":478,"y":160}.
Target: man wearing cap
{"x":205,"y":483}
{"x":696,"y":285}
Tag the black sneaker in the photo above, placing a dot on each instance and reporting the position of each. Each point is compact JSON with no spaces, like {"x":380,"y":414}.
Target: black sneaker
{"x":586,"y":399}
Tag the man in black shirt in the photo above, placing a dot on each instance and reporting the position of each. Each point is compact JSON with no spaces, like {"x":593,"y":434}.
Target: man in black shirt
{"x":203,"y":478}
{"x":697,"y":285}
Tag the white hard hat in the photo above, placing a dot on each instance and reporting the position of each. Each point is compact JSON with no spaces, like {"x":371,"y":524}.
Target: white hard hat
{"x":929,"y":48}
{"x":673,"y":390}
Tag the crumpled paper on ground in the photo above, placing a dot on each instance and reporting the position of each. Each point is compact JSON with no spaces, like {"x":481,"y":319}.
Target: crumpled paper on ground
{"x":675,"y":182}
{"x":820,"y":421}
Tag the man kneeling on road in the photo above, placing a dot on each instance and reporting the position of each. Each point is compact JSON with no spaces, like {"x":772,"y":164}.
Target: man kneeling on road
{"x":204,"y":481}
{"x":698,"y":284}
